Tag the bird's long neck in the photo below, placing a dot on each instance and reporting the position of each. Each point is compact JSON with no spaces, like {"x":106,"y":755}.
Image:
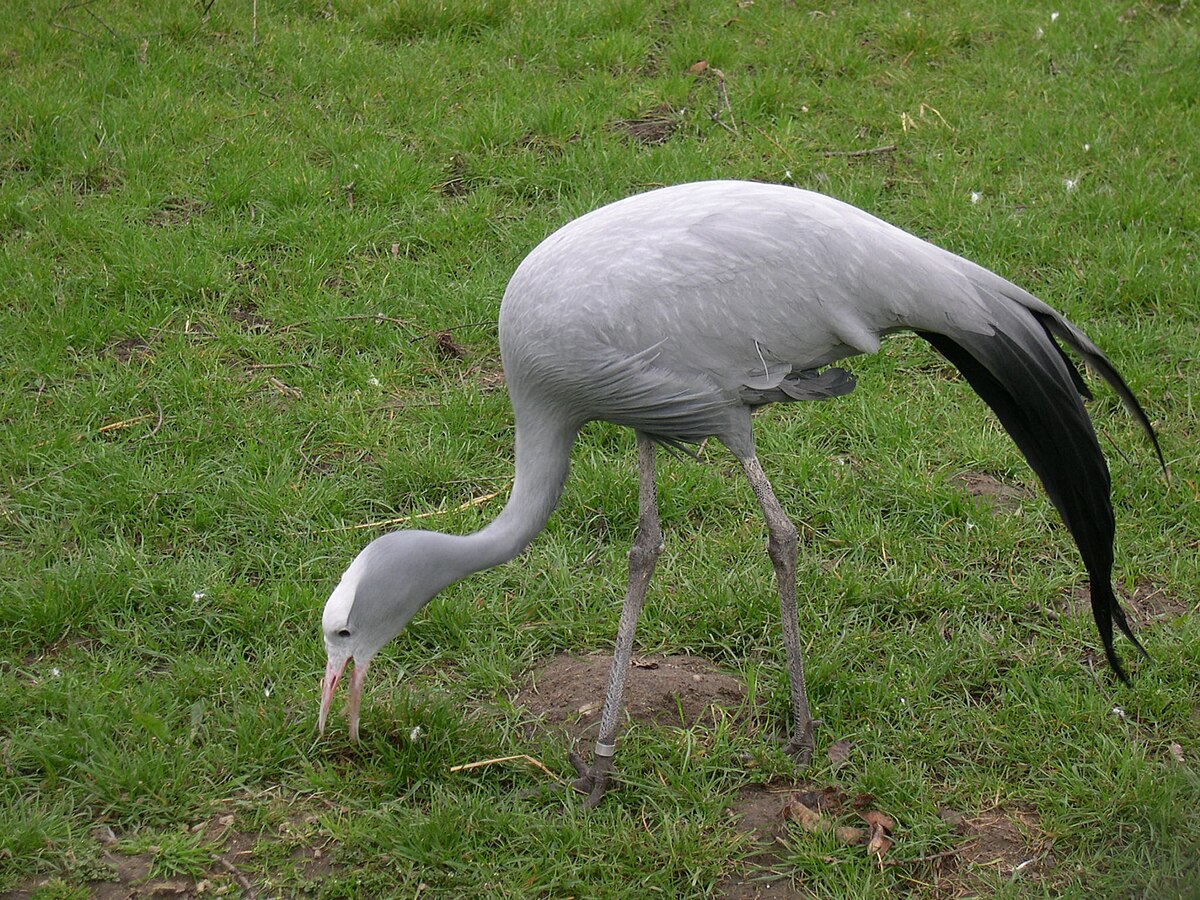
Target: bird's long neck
{"x":543,"y":456}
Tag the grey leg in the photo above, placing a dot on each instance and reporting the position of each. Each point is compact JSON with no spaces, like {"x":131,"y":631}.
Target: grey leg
{"x":781,"y":546}
{"x":643,"y":555}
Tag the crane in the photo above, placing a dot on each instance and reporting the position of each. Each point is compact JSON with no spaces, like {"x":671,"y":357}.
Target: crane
{"x":677,"y":312}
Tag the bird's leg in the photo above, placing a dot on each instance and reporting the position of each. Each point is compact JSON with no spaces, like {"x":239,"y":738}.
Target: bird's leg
{"x":781,"y":546}
{"x":593,"y":780}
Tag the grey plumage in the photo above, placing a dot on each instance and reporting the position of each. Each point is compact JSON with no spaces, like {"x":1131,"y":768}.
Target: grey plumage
{"x":678,"y":311}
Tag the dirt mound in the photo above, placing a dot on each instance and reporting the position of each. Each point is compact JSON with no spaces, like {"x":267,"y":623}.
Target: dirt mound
{"x":990,"y":491}
{"x":568,"y":691}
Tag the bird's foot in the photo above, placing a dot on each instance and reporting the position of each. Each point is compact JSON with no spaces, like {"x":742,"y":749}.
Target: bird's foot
{"x":593,"y":780}
{"x":802,"y":743}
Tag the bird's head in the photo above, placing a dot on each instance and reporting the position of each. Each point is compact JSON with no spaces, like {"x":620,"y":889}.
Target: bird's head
{"x":386,"y":585}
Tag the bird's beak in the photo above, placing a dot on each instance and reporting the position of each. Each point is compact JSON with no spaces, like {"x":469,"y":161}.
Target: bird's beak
{"x":333,"y":674}
{"x":329,"y":684}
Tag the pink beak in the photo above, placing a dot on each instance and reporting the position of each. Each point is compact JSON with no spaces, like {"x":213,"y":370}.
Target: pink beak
{"x":333,"y":674}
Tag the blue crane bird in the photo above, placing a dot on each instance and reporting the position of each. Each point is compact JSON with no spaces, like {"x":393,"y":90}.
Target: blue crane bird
{"x":679,"y":311}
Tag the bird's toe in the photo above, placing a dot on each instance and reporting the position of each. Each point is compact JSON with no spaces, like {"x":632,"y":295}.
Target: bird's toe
{"x":800,"y":751}
{"x":581,"y":768}
{"x":593,"y":780}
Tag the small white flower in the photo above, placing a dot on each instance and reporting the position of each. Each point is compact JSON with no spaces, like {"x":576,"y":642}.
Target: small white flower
{"x":415,"y":733}
{"x":970,"y":526}
{"x":1087,"y":147}
{"x":55,"y":672}
{"x":197,"y":596}
{"x":373,"y":381}
{"x":1053,"y":16}
{"x":266,"y":692}
{"x":976,"y":196}
{"x":1070,"y":183}
{"x":1118,"y":712}
{"x":1039,"y":32}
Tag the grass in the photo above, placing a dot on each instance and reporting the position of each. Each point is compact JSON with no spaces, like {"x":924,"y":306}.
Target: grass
{"x":227,"y":240}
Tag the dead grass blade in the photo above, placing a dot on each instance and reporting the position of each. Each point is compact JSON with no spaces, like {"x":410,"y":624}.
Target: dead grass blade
{"x":520,"y":757}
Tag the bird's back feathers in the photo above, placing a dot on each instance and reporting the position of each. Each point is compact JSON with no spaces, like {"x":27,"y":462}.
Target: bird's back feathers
{"x":676,"y":311}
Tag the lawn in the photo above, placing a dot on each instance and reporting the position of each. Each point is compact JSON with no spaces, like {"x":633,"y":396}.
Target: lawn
{"x":251,"y":255}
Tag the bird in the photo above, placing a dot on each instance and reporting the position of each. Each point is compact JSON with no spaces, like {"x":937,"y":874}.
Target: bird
{"x":679,"y":311}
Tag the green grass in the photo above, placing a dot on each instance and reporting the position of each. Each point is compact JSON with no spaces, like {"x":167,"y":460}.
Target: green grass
{"x":201,"y":214}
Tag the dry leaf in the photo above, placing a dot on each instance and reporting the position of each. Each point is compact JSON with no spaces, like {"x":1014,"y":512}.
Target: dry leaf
{"x":876,"y":819}
{"x":839,"y":753}
{"x":808,"y":819}
{"x":879,"y":844}
{"x":444,"y":343}
{"x":848,"y":834}
{"x":863,"y":801}
{"x":824,"y":800}
{"x":699,"y":68}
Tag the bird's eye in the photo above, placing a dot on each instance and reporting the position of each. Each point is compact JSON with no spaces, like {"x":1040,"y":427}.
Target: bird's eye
{"x":345,"y":632}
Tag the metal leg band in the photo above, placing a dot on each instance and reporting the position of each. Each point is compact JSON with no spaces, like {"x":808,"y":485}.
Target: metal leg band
{"x":605,"y":749}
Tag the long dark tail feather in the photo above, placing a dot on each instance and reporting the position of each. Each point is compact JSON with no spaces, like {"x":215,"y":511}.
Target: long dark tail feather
{"x":1023,"y":375}
{"x":1100,"y":364}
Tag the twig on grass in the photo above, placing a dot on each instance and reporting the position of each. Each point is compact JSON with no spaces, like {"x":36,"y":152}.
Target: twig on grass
{"x":778,"y":146}
{"x":953,"y":851}
{"x":450,"y":328}
{"x":355,"y":317}
{"x":284,"y":388}
{"x":84,"y":5}
{"x":157,"y":424}
{"x":237,"y":876}
{"x":124,"y":423}
{"x":86,"y":34}
{"x":474,"y":501}
{"x":88,"y":9}
{"x":724,"y":94}
{"x":523,"y":757}
{"x":851,"y":154}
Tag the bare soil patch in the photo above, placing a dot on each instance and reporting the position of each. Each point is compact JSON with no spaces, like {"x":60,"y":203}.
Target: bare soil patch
{"x":567,"y":691}
{"x":758,"y":813}
{"x":1147,"y":605}
{"x":991,"y":847}
{"x":127,"y":348}
{"x":232,"y":868}
{"x":176,"y":211}
{"x":652,"y":127}
{"x":246,"y":316}
{"x":1000,"y":845}
{"x":991,"y":491}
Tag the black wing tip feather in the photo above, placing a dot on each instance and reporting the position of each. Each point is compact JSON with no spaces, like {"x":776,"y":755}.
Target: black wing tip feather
{"x":1106,"y":609}
{"x":1056,"y":437}
{"x":1101,"y":364}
